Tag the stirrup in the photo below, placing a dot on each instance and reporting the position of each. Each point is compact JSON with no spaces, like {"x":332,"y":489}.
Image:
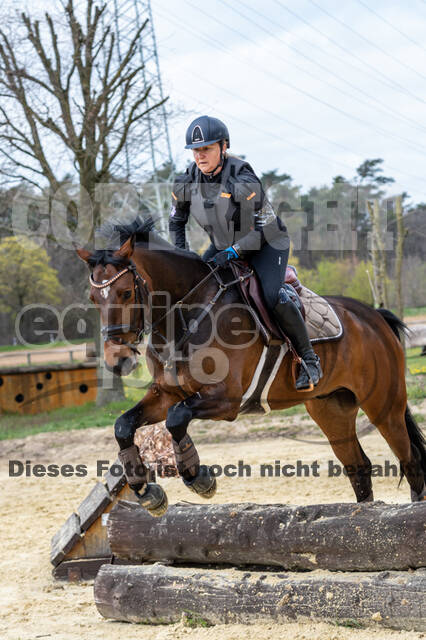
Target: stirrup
{"x":305,"y":382}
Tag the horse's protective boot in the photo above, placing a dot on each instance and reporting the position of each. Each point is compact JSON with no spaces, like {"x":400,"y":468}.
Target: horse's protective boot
{"x":291,"y":322}
{"x":187,"y":459}
{"x":153,"y":497}
{"x":134,"y":469}
{"x":204,"y":483}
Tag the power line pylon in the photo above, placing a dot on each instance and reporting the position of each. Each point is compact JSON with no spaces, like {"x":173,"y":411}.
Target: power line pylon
{"x":128,"y":16}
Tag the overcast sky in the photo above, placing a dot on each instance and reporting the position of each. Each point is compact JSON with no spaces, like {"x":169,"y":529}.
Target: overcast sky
{"x":309,"y":87}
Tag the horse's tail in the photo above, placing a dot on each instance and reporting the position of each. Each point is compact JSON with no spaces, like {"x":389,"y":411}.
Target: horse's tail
{"x":416,"y":438}
{"x":397,"y":325}
{"x":414,"y":433}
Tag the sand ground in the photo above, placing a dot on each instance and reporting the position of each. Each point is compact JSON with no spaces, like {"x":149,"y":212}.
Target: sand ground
{"x":34,"y":606}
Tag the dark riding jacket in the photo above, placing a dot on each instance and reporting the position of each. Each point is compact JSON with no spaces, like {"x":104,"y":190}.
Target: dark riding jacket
{"x":231,"y":207}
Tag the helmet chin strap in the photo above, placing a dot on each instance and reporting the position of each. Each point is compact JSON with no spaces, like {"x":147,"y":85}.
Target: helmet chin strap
{"x":222,"y":158}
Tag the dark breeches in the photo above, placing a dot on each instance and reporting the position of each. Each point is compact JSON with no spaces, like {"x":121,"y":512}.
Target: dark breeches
{"x":270,"y":265}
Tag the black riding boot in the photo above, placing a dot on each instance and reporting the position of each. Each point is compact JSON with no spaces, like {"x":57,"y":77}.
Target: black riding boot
{"x":291,"y":322}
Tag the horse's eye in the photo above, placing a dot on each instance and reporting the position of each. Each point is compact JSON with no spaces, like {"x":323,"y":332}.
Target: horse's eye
{"x":127,"y":295}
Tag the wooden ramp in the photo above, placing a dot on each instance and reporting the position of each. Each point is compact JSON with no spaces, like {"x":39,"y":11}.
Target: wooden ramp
{"x":81,"y":547}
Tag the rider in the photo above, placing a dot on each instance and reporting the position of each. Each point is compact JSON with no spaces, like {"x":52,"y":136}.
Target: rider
{"x":226,"y":198}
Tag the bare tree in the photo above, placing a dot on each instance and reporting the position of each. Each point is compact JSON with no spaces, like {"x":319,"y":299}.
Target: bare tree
{"x":68,"y":101}
{"x":72,"y":88}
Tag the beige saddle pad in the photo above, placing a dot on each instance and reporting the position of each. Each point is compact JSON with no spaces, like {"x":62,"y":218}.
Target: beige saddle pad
{"x":321,"y":320}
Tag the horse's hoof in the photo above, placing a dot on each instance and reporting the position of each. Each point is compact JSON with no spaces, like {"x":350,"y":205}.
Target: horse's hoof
{"x":418,"y":497}
{"x":204,"y":484}
{"x":153,"y":499}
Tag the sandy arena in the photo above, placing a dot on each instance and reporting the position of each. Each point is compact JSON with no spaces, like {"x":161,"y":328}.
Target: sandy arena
{"x":35,"y":606}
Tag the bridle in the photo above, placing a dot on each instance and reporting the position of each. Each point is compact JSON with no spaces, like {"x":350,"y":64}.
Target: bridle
{"x":113,"y":331}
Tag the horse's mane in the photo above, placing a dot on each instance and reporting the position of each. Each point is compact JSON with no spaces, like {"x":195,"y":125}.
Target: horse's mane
{"x":115,"y":233}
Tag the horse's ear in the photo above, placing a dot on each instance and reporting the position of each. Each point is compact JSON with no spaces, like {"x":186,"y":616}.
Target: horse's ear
{"x":83,"y":254}
{"x":126,"y":249}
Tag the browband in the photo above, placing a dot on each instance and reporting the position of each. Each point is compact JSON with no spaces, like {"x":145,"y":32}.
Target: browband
{"x":109,"y":282}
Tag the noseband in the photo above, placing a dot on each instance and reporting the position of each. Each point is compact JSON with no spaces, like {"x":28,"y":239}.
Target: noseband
{"x":113,"y":331}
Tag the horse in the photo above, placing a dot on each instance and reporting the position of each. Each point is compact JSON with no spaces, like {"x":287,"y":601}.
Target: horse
{"x":203,"y":354}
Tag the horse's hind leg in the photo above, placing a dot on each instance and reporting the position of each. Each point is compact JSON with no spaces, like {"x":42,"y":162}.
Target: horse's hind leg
{"x":390,"y":419}
{"x":336,"y":415}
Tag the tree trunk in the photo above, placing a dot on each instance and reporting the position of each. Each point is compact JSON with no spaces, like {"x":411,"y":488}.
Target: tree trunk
{"x":399,"y":256}
{"x":154,"y":594}
{"x":356,"y":537}
{"x":378,"y":254}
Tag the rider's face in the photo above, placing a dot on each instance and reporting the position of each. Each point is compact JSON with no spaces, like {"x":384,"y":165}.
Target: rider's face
{"x":207,"y":158}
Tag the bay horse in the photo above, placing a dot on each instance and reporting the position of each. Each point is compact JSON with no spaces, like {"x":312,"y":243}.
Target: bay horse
{"x":203,"y":355}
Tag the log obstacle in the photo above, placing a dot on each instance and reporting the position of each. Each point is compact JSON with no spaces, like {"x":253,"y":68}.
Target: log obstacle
{"x":348,"y":537}
{"x":156,"y":593}
{"x":333,"y":544}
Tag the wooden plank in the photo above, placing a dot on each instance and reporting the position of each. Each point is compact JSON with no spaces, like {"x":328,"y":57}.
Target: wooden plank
{"x":361,"y":537}
{"x":83,"y":568}
{"x":114,"y":483}
{"x":93,"y":505}
{"x":95,"y":543}
{"x":156,"y":593}
{"x":65,"y":539}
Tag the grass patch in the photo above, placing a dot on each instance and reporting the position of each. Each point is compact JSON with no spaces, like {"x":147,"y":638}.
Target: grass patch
{"x":193,"y":620}
{"x":291,"y":411}
{"x":415,"y":362}
{"x":350,"y":624}
{"x":416,"y":387}
{"x":84,"y":417}
{"x":414,"y":311}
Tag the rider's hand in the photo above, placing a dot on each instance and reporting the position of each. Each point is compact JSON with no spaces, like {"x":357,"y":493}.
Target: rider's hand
{"x":223,"y":258}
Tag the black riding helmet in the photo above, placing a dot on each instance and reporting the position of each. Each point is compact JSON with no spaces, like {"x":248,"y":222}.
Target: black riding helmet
{"x":205,"y":130}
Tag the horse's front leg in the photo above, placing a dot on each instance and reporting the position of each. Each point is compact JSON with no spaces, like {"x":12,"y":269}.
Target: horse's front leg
{"x":211,"y":402}
{"x":152,"y":409}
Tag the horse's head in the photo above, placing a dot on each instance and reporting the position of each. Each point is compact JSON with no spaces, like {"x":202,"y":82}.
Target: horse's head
{"x":117,"y":290}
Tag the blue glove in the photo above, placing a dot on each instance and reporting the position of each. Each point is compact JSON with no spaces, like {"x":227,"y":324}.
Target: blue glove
{"x":223,"y":258}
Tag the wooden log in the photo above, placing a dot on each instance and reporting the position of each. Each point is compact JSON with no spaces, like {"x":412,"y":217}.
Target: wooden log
{"x":156,"y":593}
{"x":360,"y":537}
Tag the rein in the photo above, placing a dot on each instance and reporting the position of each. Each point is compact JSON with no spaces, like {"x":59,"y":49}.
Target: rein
{"x":141,"y":289}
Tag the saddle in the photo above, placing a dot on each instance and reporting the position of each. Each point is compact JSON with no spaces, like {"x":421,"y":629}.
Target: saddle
{"x":252,"y":294}
{"x":321,"y":320}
